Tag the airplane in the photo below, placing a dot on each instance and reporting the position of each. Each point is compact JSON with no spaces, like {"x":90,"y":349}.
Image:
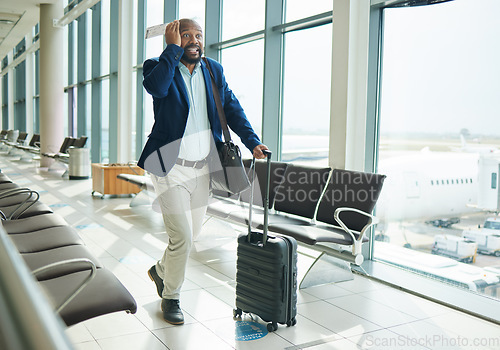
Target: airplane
{"x":476,"y":148}
{"x":428,"y":185}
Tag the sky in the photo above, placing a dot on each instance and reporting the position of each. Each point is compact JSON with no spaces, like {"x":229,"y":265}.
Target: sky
{"x":441,"y":70}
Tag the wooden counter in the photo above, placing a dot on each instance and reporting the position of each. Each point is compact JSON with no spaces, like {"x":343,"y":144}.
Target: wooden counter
{"x":105,"y":182}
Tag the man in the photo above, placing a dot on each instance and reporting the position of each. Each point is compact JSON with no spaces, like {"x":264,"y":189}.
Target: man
{"x":185,"y":128}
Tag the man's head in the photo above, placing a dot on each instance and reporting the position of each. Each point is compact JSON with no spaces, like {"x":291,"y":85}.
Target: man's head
{"x":191,"y":40}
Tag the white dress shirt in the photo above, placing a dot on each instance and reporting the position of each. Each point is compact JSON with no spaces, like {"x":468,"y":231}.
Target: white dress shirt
{"x":195,"y":144}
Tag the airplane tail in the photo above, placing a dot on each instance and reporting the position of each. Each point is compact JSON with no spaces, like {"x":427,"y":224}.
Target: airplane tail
{"x":462,"y":141}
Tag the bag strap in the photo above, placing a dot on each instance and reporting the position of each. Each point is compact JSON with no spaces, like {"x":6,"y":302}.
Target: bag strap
{"x":218,"y":103}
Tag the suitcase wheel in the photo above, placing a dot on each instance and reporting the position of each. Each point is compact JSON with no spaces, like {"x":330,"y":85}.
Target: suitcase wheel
{"x":237,"y":312}
{"x":271,"y":327}
{"x":292,"y":322}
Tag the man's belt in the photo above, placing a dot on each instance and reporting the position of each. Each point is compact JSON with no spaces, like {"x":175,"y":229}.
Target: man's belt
{"x":198,"y":164}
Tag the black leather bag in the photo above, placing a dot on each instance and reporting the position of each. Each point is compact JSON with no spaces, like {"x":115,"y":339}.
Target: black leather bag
{"x":227,"y":172}
{"x":230,"y":175}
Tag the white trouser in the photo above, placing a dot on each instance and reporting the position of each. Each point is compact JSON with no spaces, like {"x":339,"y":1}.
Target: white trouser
{"x":183,"y":197}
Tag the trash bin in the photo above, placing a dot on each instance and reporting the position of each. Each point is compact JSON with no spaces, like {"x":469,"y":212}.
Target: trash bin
{"x":79,"y":163}
{"x":12,"y":135}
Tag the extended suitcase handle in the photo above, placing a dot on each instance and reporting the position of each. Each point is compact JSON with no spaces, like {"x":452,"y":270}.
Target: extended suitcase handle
{"x":268,"y":155}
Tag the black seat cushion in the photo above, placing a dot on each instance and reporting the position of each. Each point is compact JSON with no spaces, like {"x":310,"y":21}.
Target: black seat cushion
{"x":40,"y":259}
{"x":18,"y":196}
{"x":104,"y":294}
{"x":350,"y":189}
{"x":25,"y":211}
{"x":301,"y":189}
{"x":314,"y":234}
{"x":34,"y":223}
{"x":277,"y":176}
{"x":45,"y":239}
{"x":7,"y":185}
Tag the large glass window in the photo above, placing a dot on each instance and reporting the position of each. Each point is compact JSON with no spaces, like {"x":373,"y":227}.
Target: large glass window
{"x":438,"y":137}
{"x":154,"y":47}
{"x":297,"y":9}
{"x":194,"y":9}
{"x":243,"y":68}
{"x":242,"y":17}
{"x":306,"y":95}
{"x":154,"y":16}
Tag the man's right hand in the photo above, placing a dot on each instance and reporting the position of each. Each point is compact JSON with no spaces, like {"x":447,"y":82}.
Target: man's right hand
{"x":172,"y":33}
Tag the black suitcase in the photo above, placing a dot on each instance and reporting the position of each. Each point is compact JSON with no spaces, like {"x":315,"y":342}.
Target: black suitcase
{"x":266,"y":271}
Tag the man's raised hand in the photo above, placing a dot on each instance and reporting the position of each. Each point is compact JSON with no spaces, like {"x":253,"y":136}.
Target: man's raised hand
{"x":172,"y":33}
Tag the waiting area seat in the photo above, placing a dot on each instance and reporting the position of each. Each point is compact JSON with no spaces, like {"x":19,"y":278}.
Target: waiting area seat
{"x":76,"y":143}
{"x":327,"y":210}
{"x":33,"y":146}
{"x":67,"y":142}
{"x":17,"y":202}
{"x":145,"y":185}
{"x":20,"y":139}
{"x":143,"y":181}
{"x":12,"y":139}
{"x":76,"y":283}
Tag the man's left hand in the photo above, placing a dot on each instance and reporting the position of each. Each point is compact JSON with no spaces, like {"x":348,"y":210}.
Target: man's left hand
{"x":257,"y":151}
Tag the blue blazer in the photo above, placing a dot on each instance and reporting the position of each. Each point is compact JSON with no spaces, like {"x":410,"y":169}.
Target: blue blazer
{"x":163,"y":80}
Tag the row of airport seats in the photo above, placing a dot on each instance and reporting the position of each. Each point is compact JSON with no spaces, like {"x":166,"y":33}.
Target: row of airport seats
{"x":75,"y":282}
{"x":324,"y":209}
{"x":15,"y":143}
{"x":62,"y":155}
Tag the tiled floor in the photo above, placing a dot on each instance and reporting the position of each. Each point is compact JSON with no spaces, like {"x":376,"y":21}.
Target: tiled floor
{"x":358,"y":314}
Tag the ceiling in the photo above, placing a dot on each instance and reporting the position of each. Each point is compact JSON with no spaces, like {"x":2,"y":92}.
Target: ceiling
{"x":17,"y":18}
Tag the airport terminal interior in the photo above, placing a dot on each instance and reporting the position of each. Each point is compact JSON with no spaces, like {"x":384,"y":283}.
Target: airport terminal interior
{"x":399,"y":90}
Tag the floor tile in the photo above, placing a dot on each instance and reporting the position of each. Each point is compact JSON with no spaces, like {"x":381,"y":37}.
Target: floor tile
{"x":326,"y":291}
{"x":145,"y":340}
{"x":79,"y":333}
{"x":205,"y":276}
{"x":472,"y":329}
{"x":427,"y":335}
{"x":360,"y":284}
{"x":90,"y":345}
{"x":226,"y":293}
{"x":204,"y":306}
{"x":305,"y":331}
{"x":335,"y":344}
{"x":190,"y":337}
{"x":371,"y":310}
{"x":336,"y":319}
{"x":407,"y":303}
{"x":113,"y":325}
